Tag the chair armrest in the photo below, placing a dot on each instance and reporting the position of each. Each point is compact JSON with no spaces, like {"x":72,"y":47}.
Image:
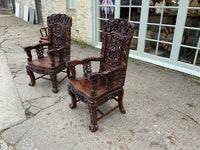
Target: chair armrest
{"x":39,"y":50}
{"x":59,"y":50}
{"x":108,"y":76}
{"x":85,"y":60}
{"x":86,"y":66}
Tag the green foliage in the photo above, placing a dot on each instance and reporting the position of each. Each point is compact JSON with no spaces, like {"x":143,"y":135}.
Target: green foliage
{"x":197,"y":82}
{"x":82,"y":46}
{"x":137,"y":64}
{"x":194,"y":77}
{"x":79,"y":43}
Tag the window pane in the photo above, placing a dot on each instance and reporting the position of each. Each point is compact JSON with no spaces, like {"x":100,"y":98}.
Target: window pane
{"x":152,"y":32}
{"x":100,"y":36}
{"x":167,"y":34}
{"x":106,"y":2}
{"x":72,"y":4}
{"x":134,"y":43}
{"x":135,"y":14}
{"x":169,"y":16}
{"x":150,"y":47}
{"x":193,"y":18}
{"x":101,"y":12}
{"x":194,"y":3}
{"x":153,"y":17}
{"x":101,"y":24}
{"x":124,"y":12}
{"x":164,"y":50}
{"x":136,"y":2}
{"x":111,"y":11}
{"x":136,"y":29}
{"x":198,"y":59}
{"x":172,"y":2}
{"x":187,"y":55}
{"x":191,"y":37}
{"x":125,"y":2}
{"x":159,"y":3}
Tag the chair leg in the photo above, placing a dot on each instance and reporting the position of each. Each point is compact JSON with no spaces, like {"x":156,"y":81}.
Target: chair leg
{"x":68,"y":73}
{"x":120,"y":101}
{"x":93,"y":116}
{"x":53,"y":77}
{"x":73,"y":104}
{"x":31,"y":75}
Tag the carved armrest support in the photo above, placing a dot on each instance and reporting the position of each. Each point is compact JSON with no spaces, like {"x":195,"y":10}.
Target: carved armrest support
{"x":86,"y":66}
{"x":57,"y":52}
{"x":108,"y":76}
{"x":39,"y":50}
{"x":93,"y":78}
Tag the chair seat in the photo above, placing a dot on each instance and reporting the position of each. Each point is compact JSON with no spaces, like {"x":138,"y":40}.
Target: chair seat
{"x":46,"y":62}
{"x":83,"y":85}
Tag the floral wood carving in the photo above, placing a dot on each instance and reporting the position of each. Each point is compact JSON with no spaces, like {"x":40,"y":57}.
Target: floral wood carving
{"x":114,"y":47}
{"x":57,"y":23}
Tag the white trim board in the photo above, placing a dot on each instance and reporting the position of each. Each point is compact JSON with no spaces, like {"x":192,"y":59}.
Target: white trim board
{"x":17,"y":9}
{"x":25,"y":13}
{"x":170,"y":66}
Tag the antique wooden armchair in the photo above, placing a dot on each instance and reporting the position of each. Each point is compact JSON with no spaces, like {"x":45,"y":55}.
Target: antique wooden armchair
{"x":59,"y":38}
{"x":96,"y":88}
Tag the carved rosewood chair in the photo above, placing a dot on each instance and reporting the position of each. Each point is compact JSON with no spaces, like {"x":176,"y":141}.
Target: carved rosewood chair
{"x":59,"y":38}
{"x":96,"y":88}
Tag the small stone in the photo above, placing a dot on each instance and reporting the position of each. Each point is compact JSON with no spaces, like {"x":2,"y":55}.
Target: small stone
{"x":132,"y":132}
{"x":119,"y":139}
{"x":26,"y":105}
{"x":127,"y":139}
{"x":109,"y":142}
{"x":34,"y":110}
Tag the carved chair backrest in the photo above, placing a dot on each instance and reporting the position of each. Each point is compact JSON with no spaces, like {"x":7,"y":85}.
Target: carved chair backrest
{"x":59,"y":29}
{"x":116,"y":37}
{"x":113,"y":49}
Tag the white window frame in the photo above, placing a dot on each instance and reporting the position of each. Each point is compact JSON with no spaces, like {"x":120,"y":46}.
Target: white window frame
{"x":171,"y":62}
{"x":72,"y":4}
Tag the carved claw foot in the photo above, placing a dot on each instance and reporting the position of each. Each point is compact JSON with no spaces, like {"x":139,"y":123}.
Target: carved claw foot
{"x":55,"y":90}
{"x":93,"y":128}
{"x":31,"y":83}
{"x":72,"y":106}
{"x":31,"y":75}
{"x":122,"y":110}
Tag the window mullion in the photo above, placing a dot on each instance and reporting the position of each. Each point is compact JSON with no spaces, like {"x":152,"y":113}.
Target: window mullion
{"x":117,"y":8}
{"x":143,"y":27}
{"x":179,"y":29}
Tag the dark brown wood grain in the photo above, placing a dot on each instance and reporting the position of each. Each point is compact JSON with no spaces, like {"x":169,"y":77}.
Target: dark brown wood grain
{"x":96,"y":88}
{"x":57,"y":39}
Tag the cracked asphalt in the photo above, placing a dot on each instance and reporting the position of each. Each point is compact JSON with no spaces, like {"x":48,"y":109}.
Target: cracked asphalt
{"x":163,"y":108}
